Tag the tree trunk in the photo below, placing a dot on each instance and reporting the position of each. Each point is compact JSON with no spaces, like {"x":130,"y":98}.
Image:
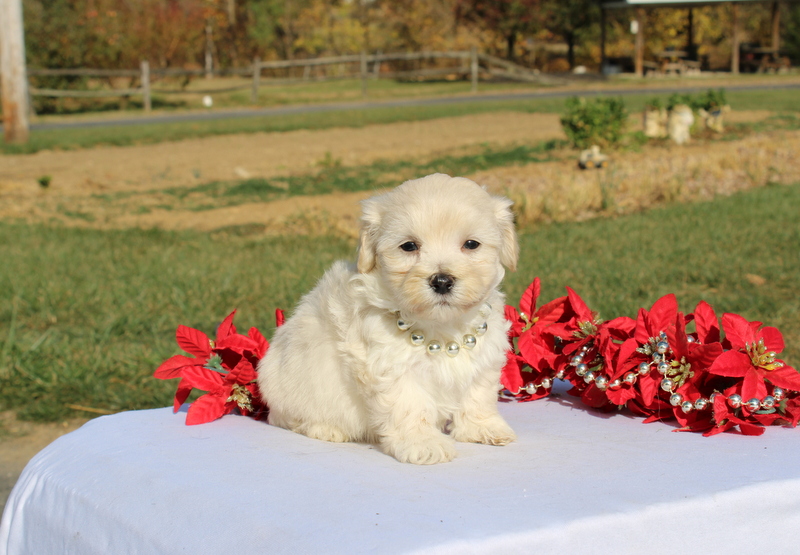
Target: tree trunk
{"x":511,"y":41}
{"x":570,"y":49}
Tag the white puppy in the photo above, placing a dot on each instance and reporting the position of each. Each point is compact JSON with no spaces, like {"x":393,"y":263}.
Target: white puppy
{"x":405,"y":348}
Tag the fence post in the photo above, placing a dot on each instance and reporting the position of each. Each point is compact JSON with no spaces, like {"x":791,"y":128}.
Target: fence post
{"x":363,"y":74}
{"x":13,"y":76}
{"x":473,"y":67}
{"x":256,"y":79}
{"x":145,"y":66}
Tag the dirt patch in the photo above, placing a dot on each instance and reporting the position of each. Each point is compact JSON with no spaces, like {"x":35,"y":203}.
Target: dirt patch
{"x":194,"y":161}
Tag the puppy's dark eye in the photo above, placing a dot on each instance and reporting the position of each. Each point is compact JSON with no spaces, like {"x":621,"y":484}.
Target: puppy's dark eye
{"x":409,"y":246}
{"x":471,"y":245}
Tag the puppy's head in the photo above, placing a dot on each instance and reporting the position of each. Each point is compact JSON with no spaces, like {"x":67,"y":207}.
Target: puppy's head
{"x":439,"y":244}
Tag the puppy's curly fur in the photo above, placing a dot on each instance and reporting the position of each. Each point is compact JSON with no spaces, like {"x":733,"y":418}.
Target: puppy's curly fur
{"x":432,"y":251}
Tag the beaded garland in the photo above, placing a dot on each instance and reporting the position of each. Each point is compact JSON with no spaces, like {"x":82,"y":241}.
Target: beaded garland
{"x":452,"y":348}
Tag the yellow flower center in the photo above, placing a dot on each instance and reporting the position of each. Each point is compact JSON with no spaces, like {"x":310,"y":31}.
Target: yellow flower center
{"x":761,"y":357}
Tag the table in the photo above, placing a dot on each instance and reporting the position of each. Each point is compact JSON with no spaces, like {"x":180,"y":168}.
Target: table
{"x":576,"y":481}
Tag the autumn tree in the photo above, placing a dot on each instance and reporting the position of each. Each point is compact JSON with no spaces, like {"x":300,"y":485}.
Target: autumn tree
{"x":570,"y":21}
{"x":509,"y":19}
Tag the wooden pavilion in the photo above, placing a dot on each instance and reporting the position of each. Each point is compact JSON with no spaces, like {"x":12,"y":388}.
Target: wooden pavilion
{"x":640,"y":7}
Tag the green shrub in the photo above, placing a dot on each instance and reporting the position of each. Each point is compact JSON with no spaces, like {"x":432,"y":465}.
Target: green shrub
{"x":599,"y":122}
{"x":711,"y":100}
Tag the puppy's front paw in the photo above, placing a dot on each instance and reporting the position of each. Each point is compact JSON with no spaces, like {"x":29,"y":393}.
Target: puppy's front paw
{"x":491,"y":431}
{"x":430,"y":450}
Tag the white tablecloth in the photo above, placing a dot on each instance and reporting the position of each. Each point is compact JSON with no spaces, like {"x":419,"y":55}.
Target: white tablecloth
{"x":576,"y":481}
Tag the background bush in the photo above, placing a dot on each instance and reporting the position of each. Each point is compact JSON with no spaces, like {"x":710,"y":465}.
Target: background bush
{"x":599,"y":122}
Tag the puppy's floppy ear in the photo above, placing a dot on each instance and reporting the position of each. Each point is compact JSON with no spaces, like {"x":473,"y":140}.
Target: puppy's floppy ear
{"x":509,"y":250}
{"x":370,"y":224}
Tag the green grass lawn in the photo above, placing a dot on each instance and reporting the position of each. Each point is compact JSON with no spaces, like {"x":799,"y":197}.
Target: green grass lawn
{"x":86,"y":316}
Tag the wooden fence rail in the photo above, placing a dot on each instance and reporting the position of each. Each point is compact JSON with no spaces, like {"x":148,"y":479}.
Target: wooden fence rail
{"x":352,"y":66}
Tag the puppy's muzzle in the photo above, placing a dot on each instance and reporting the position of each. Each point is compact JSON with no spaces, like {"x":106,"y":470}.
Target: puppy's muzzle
{"x":442,"y":283}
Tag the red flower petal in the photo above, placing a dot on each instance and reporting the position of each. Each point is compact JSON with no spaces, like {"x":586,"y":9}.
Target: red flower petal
{"x":753,"y":386}
{"x":182,"y":393}
{"x":773,"y":339}
{"x":733,"y":364}
{"x":261,"y":342}
{"x":242,"y":374}
{"x":173,"y":366}
{"x":236,"y":343}
{"x":206,"y":409}
{"x":512,"y":316}
{"x":738,"y":330}
{"x":785,"y":377}
{"x":193,"y":341}
{"x":280,"y":318}
{"x":582,"y":311}
{"x":706,"y":323}
{"x":662,"y":315}
{"x":226,"y":328}
{"x":527,"y":303}
{"x":511,"y":377}
{"x":204,"y":379}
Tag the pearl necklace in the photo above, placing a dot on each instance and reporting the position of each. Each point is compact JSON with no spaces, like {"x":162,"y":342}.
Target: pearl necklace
{"x":452,"y":348}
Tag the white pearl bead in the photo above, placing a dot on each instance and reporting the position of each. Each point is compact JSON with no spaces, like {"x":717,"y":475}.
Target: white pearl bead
{"x":687,"y":406}
{"x":434,"y":347}
{"x":735,"y":401}
{"x":530,"y":388}
{"x":417,"y":338}
{"x":753,"y":404}
{"x":402,"y":325}
{"x":588,"y":377}
{"x":469,"y":341}
{"x":546,"y":383}
{"x":662,"y":347}
{"x":452,"y":348}
{"x":581,"y":369}
{"x":666,"y":384}
{"x":778,"y":394}
{"x":629,"y":378}
{"x":675,"y":399}
{"x":768,"y":402}
{"x":644,"y":369}
{"x":700,"y":404}
{"x":480,"y":330}
{"x":601,"y":382}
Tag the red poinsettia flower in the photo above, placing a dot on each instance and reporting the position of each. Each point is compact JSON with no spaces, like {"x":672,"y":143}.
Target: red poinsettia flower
{"x":224,"y":368}
{"x":640,"y":391}
{"x":532,"y":361}
{"x":753,"y":356}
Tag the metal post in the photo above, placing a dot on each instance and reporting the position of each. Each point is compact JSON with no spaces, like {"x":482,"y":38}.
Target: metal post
{"x":145,"y":65}
{"x":256,"y":79}
{"x":12,"y":72}
{"x":473,"y":68}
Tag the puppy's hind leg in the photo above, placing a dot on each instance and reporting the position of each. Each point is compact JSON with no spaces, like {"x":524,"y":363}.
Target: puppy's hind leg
{"x":325,"y":432}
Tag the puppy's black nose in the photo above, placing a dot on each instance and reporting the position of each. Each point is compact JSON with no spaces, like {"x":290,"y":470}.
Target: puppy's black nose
{"x":442,"y":283}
